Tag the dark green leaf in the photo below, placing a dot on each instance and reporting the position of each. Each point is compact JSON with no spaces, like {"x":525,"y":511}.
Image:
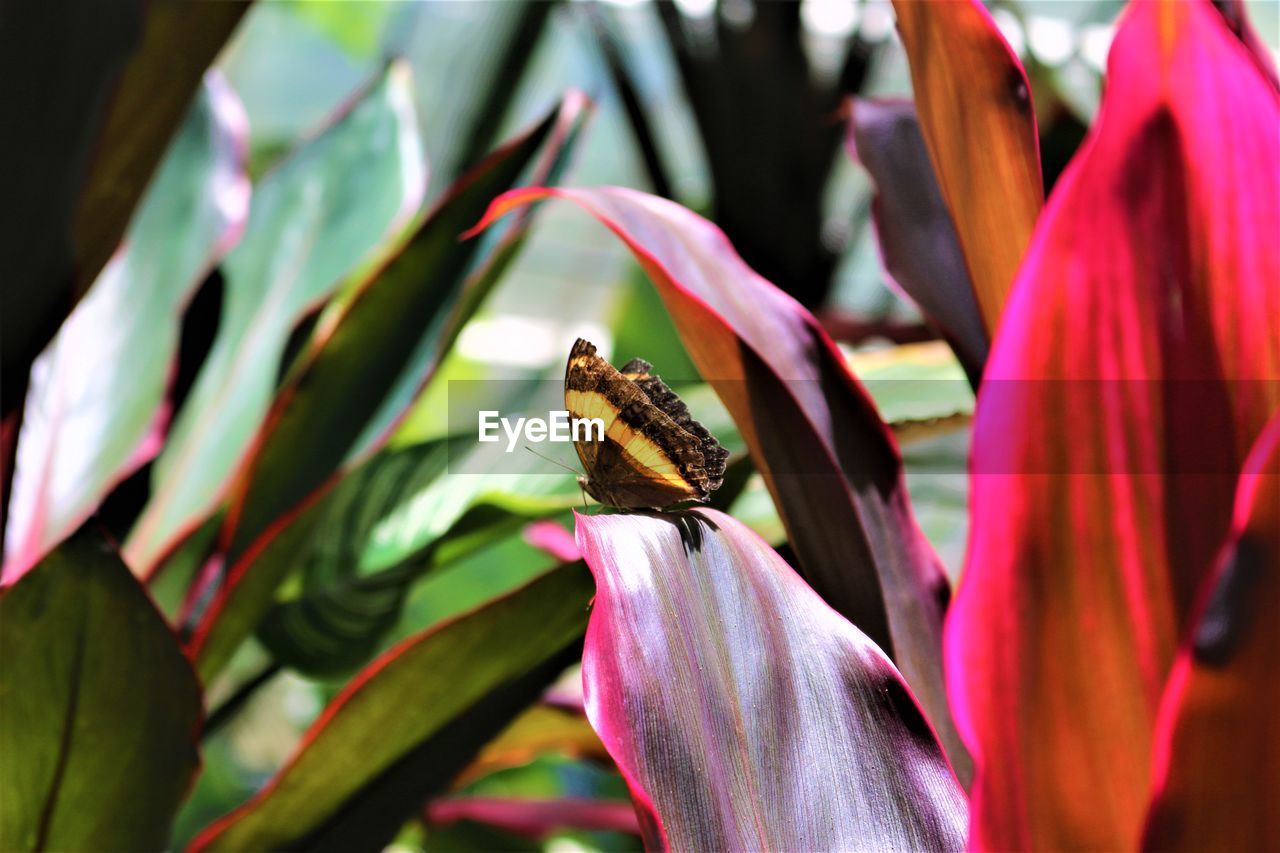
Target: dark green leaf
{"x":45,"y":165}
{"x":413,"y":718}
{"x":390,"y":522}
{"x":99,"y":710}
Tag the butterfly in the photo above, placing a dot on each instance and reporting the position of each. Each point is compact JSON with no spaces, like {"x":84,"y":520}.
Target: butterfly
{"x":653,"y":454}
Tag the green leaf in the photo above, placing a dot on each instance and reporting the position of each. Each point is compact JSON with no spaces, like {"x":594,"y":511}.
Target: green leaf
{"x":915,"y":382}
{"x":412,"y":720}
{"x":93,"y":134}
{"x":406,"y":514}
{"x":99,"y":710}
{"x":379,"y":339}
{"x":315,"y":218}
{"x":94,"y":408}
{"x":401,"y":515}
{"x":376,"y":341}
{"x":180,"y":40}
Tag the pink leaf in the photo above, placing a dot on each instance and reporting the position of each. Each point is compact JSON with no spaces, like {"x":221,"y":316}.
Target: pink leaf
{"x":536,"y":818}
{"x":1136,"y":362}
{"x":1216,"y":770}
{"x":743,"y":711}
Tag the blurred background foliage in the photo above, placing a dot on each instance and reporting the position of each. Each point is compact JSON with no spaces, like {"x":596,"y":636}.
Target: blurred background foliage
{"x":733,"y":108}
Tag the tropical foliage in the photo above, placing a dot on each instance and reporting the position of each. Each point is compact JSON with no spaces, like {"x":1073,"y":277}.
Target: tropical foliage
{"x":1006,"y":589}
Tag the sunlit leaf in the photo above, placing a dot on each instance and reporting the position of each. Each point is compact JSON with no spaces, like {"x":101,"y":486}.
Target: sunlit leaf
{"x":179,"y":42}
{"x":391,"y":325}
{"x":312,"y":220}
{"x":99,"y":710}
{"x":94,"y":409}
{"x":380,"y":338}
{"x":539,"y":730}
{"x":914,"y":383}
{"x":744,"y":712}
{"x":974,"y":104}
{"x":45,"y":165}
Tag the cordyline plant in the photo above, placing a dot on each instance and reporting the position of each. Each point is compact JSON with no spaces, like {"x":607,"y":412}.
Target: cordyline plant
{"x":1105,"y":677}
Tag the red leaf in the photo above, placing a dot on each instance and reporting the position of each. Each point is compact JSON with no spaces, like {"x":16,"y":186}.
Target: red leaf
{"x":814,"y":434}
{"x":1136,"y":363}
{"x":1216,"y":769}
{"x":743,"y":711}
{"x":536,"y":818}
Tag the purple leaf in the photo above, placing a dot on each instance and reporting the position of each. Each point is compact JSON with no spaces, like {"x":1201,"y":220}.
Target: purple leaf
{"x":743,"y":711}
{"x":918,"y":241}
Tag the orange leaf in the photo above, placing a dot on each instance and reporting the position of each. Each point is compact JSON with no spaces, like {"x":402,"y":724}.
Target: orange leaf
{"x":975,"y":110}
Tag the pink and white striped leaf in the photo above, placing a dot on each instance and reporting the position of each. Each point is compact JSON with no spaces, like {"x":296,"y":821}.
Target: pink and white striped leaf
{"x":743,"y":711}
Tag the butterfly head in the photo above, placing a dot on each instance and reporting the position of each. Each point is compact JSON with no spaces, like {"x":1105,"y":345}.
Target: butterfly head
{"x":588,"y":486}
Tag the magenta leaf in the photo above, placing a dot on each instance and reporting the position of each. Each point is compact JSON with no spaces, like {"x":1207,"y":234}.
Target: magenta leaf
{"x":744,"y":712}
{"x":1216,"y":760}
{"x":1135,"y":365}
{"x":536,"y":818}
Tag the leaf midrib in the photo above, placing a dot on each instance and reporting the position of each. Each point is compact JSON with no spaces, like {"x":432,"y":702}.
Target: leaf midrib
{"x":65,"y":741}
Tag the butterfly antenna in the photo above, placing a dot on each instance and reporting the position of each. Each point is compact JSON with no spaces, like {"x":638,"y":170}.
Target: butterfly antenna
{"x":572,"y":471}
{"x":565,"y":467}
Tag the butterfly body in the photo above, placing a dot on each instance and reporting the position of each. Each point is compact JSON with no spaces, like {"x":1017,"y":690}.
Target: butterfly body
{"x":653,"y":454}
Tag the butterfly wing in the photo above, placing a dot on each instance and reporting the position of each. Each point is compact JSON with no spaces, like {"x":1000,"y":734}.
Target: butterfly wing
{"x":646,"y":458}
{"x":714,"y":457}
{"x":580,"y":374}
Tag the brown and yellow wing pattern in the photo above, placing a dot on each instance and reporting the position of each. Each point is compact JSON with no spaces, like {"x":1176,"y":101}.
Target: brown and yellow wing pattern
{"x":653,"y":453}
